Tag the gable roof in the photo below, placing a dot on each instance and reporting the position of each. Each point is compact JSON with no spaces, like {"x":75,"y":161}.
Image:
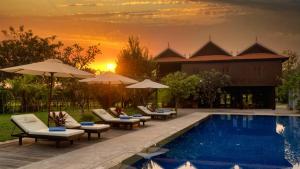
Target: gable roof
{"x":169,"y":55}
{"x":210,"y":48}
{"x":257,"y":48}
{"x":258,"y":51}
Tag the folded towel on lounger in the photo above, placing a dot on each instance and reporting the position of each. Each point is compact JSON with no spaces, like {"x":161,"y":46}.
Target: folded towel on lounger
{"x":87,"y":123}
{"x":137,"y":115}
{"x":57,"y":129}
{"x":124,"y":117}
{"x":160,"y":110}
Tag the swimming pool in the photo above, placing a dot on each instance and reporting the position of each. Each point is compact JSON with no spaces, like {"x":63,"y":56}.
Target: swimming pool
{"x":230,"y":141}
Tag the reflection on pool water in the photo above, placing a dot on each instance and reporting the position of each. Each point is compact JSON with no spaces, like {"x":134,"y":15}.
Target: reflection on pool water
{"x":232,"y":142}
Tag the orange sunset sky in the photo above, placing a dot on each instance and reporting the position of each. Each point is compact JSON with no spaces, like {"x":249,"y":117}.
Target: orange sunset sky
{"x":185,"y":24}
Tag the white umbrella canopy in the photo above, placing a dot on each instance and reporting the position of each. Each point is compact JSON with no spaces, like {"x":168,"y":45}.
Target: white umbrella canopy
{"x":109,"y":78}
{"x":147,"y":84}
{"x":48,"y":67}
{"x":52,"y":68}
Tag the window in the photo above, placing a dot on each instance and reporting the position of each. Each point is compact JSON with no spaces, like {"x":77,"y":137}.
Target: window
{"x":228,"y":99}
{"x":222,"y":99}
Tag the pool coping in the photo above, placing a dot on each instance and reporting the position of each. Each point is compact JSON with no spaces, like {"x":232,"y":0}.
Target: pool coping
{"x":186,"y":129}
{"x":166,"y":140}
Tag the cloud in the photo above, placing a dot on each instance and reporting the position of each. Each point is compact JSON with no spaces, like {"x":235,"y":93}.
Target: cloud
{"x":154,"y":2}
{"x":81,"y":5}
{"x":192,"y":14}
{"x":278,"y":5}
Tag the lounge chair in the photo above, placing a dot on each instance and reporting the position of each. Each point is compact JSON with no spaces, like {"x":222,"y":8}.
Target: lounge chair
{"x":143,"y":119}
{"x":155,"y":115}
{"x":108,"y":118}
{"x":164,"y":110}
{"x":33,"y":127}
{"x":71,"y":123}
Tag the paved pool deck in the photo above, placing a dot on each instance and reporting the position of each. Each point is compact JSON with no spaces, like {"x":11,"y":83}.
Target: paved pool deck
{"x":111,"y":152}
{"x":116,"y":145}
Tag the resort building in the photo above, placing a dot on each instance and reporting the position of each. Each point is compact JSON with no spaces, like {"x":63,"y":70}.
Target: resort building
{"x":254,"y":73}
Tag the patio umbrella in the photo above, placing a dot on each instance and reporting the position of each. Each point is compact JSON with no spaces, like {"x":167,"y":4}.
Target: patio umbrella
{"x":52,"y":68}
{"x":109,"y":78}
{"x":148,"y":84}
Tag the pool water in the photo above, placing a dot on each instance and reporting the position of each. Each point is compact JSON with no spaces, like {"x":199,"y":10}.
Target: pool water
{"x":232,"y":141}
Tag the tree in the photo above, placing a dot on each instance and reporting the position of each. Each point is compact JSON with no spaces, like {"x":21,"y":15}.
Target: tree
{"x":292,"y":63}
{"x":181,"y":86}
{"x":23,"y":47}
{"x":76,"y":56}
{"x":211,"y":83}
{"x":30,"y":90}
{"x":290,"y":74}
{"x":134,"y":61}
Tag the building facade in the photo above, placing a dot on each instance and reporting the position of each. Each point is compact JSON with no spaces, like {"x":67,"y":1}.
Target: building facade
{"x":254,"y":73}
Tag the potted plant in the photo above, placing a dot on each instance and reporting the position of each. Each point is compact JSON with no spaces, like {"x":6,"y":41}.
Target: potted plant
{"x":58,"y":118}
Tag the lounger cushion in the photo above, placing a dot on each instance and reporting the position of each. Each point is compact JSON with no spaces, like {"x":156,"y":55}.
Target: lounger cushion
{"x":142,"y":118}
{"x":95,"y":127}
{"x":70,"y":121}
{"x":148,"y":112}
{"x":29,"y":122}
{"x":67,"y":133}
{"x":34,"y":126}
{"x":103,"y":114}
{"x":117,"y":120}
{"x":114,"y":112}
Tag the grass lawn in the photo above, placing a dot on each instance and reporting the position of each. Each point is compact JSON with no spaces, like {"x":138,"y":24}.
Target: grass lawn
{"x":6,"y":126}
{"x":132,"y":111}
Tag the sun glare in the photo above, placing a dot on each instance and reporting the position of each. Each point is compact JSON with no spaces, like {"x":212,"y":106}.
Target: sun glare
{"x":111,"y":67}
{"x":104,"y":67}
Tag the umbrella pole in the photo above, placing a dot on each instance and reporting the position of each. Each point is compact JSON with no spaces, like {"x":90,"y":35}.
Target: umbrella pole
{"x":156,"y":97}
{"x":109,"y":95}
{"x":50,"y":95}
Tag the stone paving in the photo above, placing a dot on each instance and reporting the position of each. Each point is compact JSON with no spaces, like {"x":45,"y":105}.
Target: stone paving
{"x":111,"y":152}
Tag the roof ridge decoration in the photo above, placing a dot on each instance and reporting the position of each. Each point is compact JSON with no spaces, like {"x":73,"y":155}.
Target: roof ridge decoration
{"x":257,"y":48}
{"x":169,"y":53}
{"x":210,"y":48}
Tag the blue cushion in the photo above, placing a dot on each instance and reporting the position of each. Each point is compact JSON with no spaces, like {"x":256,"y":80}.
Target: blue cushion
{"x":87,"y":123}
{"x":160,"y":110}
{"x":137,"y":115}
{"x":124,"y":117}
{"x":57,"y":129}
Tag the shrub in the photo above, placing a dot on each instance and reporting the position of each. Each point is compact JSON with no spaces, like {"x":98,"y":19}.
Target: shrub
{"x":87,"y":117}
{"x":298,"y":105}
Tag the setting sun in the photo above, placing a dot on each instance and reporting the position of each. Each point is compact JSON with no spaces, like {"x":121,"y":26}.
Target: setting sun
{"x":100,"y":67}
{"x":111,"y":67}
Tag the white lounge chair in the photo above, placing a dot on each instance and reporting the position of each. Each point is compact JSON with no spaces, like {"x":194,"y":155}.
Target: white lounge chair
{"x":143,"y":119}
{"x":108,"y":118}
{"x":155,"y":115}
{"x":71,"y":123}
{"x":169,"y":110}
{"x":33,"y":127}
